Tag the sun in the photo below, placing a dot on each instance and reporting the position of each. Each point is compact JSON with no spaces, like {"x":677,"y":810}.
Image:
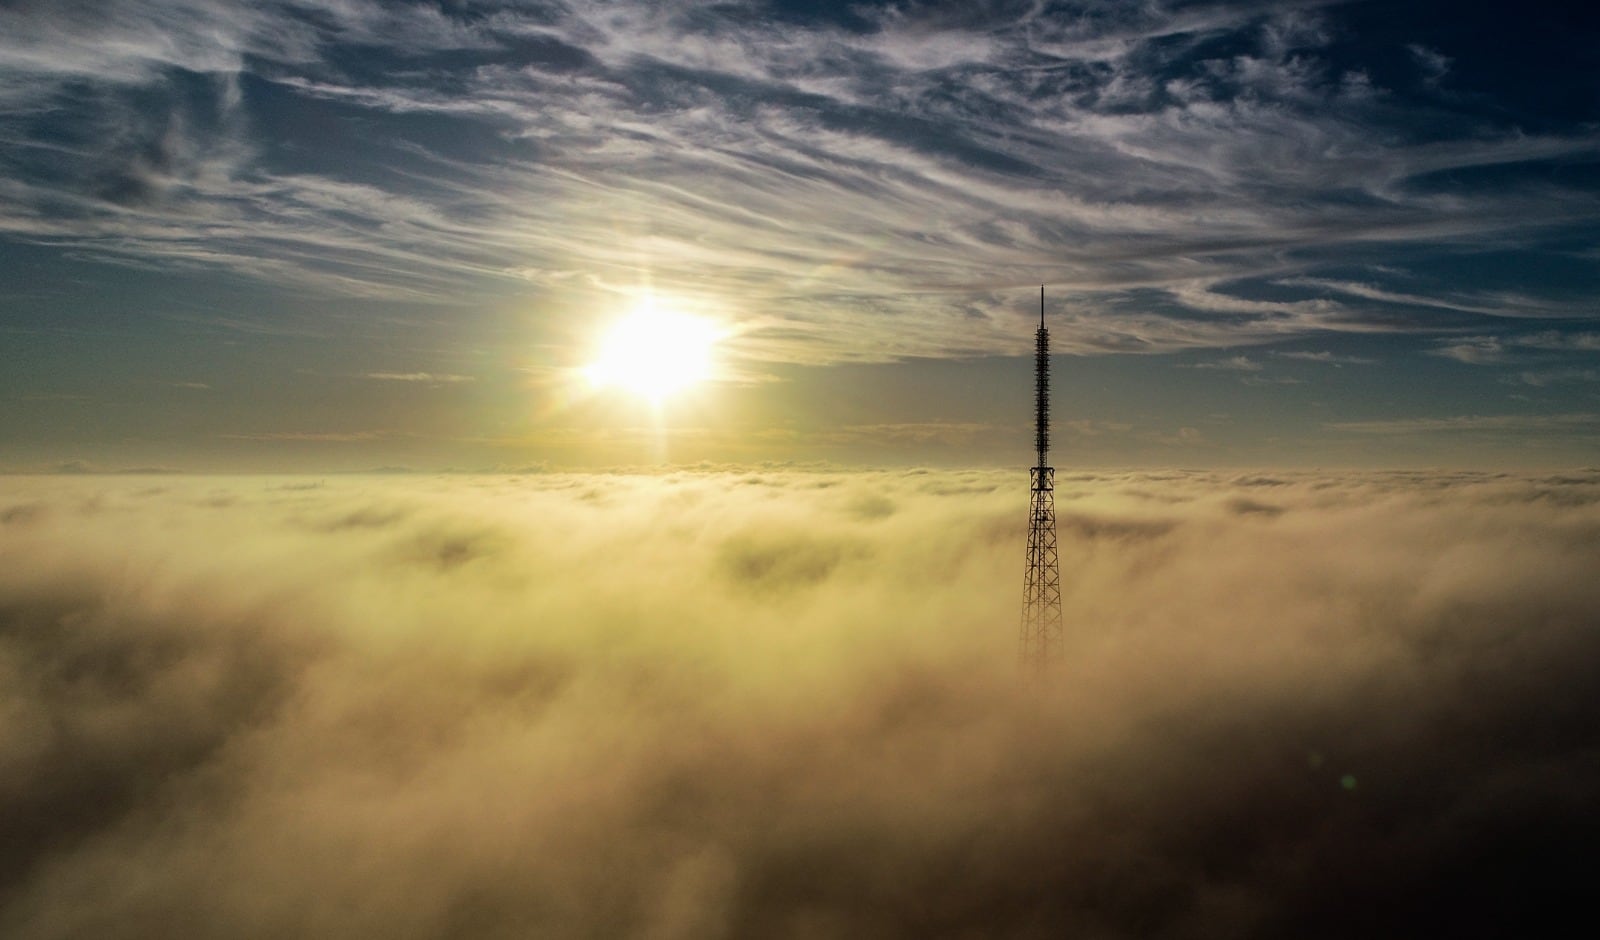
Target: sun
{"x":655,"y":353}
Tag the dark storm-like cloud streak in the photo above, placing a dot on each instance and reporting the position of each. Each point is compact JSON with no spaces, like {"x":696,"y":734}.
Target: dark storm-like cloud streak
{"x":913,"y":164}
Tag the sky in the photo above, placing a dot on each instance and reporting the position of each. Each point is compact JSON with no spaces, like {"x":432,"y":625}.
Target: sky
{"x":782,"y":703}
{"x":301,"y":236}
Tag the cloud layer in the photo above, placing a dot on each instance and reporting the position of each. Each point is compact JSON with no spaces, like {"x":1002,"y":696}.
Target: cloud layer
{"x":785,"y":704}
{"x":855,"y":183}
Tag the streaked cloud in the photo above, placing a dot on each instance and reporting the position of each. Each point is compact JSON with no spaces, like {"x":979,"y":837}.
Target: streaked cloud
{"x":317,"y":436}
{"x":430,"y":378}
{"x":855,"y":184}
{"x":1562,"y":342}
{"x":1231,"y":364}
{"x":1472,"y":350}
{"x":1542,"y":378}
{"x":1326,"y":357}
{"x":1576,"y":423}
{"x":1500,"y":304}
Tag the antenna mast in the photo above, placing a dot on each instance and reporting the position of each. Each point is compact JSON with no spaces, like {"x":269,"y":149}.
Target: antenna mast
{"x":1041,"y":386}
{"x":1042,"y":632}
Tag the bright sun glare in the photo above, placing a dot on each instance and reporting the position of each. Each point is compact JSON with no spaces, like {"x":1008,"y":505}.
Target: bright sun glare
{"x":654,"y":352}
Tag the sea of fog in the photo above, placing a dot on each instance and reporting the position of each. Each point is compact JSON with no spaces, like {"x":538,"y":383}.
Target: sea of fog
{"x":785,"y":704}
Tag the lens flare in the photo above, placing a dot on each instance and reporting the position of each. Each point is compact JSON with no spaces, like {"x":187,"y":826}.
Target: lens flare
{"x":655,"y":353}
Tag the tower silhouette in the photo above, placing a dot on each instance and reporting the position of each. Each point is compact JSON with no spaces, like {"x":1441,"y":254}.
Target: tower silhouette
{"x":1042,"y":634}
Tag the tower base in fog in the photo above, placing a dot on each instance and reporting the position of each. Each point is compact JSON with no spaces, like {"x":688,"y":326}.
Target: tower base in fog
{"x":1042,"y":635}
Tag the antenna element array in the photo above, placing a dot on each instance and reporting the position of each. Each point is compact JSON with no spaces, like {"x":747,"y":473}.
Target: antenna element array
{"x":1042,"y":632}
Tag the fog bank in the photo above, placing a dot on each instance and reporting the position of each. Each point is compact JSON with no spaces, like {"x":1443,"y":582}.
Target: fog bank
{"x":786,"y":704}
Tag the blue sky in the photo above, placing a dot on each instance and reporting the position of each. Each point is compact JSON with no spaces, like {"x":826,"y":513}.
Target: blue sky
{"x":293,"y":235}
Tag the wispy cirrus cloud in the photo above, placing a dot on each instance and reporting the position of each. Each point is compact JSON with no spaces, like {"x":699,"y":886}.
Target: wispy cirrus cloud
{"x":1325,"y":356}
{"x":1472,"y":350}
{"x":1231,"y":364}
{"x":861,"y":184}
{"x":428,"y":378}
{"x":1490,"y":304}
{"x":1559,"y":342}
{"x":1574,"y":423}
{"x":1543,"y":378}
{"x":1516,"y":347}
{"x":336,"y":437}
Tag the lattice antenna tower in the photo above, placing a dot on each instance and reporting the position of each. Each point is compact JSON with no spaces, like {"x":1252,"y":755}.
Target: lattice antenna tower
{"x":1042,"y":633}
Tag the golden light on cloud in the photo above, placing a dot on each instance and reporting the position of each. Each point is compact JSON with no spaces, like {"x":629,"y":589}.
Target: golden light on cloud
{"x":655,"y":352}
